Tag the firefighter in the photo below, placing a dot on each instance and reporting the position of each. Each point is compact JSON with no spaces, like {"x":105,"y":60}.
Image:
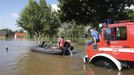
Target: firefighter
{"x":95,"y":37}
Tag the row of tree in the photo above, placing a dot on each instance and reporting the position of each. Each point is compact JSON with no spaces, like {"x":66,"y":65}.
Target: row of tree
{"x":9,"y":33}
{"x":86,"y":11}
{"x":72,"y":18}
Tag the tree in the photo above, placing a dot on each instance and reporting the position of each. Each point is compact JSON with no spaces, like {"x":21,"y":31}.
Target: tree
{"x":48,"y":19}
{"x":44,"y":12}
{"x":38,"y":19}
{"x":54,"y":24}
{"x":86,"y":11}
{"x":130,"y":14}
{"x":71,"y":29}
{"x":29,"y":18}
{"x":9,"y":32}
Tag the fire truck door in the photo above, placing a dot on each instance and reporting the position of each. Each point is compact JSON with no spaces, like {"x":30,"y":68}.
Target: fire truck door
{"x":118,"y":43}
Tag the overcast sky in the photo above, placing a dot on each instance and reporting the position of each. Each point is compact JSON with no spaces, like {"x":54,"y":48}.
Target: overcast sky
{"x":10,"y":10}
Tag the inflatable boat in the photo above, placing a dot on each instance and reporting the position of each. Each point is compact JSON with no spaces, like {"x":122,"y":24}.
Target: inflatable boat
{"x":44,"y":48}
{"x":47,"y":50}
{"x":54,"y":51}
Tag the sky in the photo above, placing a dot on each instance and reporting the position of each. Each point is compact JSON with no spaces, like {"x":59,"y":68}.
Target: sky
{"x":9,"y":10}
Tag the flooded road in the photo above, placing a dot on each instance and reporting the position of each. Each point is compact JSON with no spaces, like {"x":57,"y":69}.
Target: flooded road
{"x":19,"y":60}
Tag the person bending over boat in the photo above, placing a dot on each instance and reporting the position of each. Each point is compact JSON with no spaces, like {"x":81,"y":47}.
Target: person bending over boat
{"x":68,"y":48}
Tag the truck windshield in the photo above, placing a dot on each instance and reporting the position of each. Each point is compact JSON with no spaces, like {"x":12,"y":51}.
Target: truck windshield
{"x":116,"y":33}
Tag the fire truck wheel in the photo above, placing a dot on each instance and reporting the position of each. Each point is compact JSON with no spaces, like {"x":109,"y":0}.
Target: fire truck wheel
{"x":105,"y":63}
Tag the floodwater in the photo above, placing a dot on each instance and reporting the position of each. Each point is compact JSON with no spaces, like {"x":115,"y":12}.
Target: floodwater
{"x":19,"y":60}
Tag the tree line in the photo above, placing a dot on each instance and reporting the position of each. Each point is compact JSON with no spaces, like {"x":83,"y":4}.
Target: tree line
{"x":73,"y":17}
{"x":86,"y":11}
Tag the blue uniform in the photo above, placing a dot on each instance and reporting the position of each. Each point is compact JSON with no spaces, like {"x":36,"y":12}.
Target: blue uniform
{"x":95,"y":35}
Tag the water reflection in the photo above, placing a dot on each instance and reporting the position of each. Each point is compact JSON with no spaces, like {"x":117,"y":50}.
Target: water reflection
{"x":39,"y":64}
{"x":56,"y":65}
{"x":90,"y":72}
{"x":94,"y":70}
{"x":60,"y":68}
{"x":6,"y":47}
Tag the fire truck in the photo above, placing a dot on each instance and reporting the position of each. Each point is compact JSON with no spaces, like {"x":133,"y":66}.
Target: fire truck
{"x":115,"y":48}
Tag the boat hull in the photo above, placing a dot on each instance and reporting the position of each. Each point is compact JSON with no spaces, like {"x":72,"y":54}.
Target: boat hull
{"x":49,"y":50}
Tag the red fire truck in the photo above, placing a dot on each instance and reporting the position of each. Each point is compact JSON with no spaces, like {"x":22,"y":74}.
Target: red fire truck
{"x":115,"y":48}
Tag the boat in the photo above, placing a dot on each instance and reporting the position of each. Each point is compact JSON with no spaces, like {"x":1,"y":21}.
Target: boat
{"x":47,"y":50}
{"x":54,"y":51}
{"x":44,"y":48}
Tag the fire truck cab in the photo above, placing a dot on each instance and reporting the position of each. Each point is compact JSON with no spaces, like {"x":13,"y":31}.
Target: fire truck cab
{"x":116,"y":46}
